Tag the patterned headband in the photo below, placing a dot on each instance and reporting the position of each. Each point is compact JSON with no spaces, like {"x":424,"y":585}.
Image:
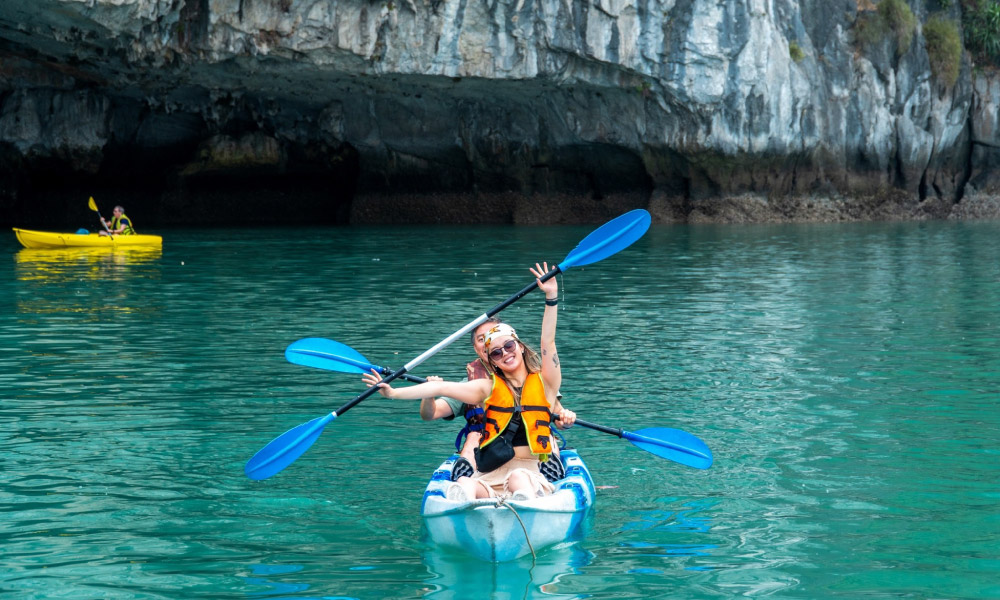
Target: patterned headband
{"x":498,"y":330}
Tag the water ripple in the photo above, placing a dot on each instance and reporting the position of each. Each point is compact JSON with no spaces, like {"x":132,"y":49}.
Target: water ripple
{"x":844,"y":377}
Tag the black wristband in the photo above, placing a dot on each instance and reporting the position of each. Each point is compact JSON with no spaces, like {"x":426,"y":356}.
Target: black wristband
{"x":551,"y":302}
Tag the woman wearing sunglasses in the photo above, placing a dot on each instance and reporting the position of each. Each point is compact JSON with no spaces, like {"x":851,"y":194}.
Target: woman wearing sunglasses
{"x":518,"y":399}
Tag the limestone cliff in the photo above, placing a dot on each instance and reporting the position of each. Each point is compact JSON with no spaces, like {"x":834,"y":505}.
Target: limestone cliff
{"x":486,"y":110}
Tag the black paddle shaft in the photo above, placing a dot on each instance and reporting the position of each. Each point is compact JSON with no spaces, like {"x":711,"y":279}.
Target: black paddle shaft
{"x":524,"y":292}
{"x":594,"y":426}
{"x":391,"y":376}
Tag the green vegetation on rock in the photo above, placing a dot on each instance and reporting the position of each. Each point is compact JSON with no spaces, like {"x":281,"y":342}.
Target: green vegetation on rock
{"x":944,"y":48}
{"x":981,"y":20}
{"x":795,"y":51}
{"x":892,"y":18}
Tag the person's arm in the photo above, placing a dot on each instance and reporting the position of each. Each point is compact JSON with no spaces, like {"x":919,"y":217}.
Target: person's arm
{"x":432,"y":408}
{"x":551,"y":372}
{"x":566,"y":416}
{"x":469,"y":392}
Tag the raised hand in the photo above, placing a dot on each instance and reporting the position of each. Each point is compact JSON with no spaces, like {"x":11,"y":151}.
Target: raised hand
{"x":550,"y":287}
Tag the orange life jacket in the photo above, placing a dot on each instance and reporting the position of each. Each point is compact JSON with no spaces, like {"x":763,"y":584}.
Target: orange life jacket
{"x":535,"y":415}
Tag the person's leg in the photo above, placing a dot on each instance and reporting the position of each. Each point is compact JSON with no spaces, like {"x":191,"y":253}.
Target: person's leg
{"x":465,"y":466}
{"x":483,"y":490}
{"x":470,"y":488}
{"x":524,"y":484}
{"x":519,"y":481}
{"x":469,"y":449}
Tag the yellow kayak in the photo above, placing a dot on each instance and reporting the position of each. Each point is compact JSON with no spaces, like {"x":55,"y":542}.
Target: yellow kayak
{"x":48,"y":239}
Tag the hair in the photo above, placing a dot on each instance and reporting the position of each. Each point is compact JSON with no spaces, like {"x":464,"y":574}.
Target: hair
{"x":532,"y":359}
{"x":119,"y":207}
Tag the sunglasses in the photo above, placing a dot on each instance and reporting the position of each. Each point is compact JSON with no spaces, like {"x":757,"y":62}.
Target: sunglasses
{"x":508,"y":347}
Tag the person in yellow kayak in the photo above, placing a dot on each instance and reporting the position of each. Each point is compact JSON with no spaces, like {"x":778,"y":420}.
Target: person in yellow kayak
{"x":119,"y":223}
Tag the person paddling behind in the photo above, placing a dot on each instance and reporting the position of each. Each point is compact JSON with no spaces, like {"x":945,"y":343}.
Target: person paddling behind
{"x":119,"y":224}
{"x":519,"y":400}
{"x":449,"y":408}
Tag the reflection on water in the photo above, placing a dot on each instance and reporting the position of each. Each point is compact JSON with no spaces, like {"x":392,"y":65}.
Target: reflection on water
{"x":456,"y":576}
{"x":678,"y":532}
{"x":447,"y":575}
{"x":691,"y":517}
{"x":60,"y":264}
{"x":844,"y":376}
{"x":93,"y":275}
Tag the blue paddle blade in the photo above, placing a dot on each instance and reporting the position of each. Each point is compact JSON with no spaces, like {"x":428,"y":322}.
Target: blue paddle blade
{"x":615,"y":235}
{"x":673,"y":444}
{"x":284,"y":449}
{"x":327,"y":354}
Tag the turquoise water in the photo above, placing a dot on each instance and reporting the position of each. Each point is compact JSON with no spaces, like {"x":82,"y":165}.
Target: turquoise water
{"x":845,"y":376}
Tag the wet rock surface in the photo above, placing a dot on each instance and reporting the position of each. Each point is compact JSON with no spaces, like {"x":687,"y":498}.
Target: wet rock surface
{"x":307,"y":111}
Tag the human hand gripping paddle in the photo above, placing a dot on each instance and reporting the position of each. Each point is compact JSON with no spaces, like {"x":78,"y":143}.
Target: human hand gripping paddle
{"x":606,"y":240}
{"x":93,"y":207}
{"x":672,"y":444}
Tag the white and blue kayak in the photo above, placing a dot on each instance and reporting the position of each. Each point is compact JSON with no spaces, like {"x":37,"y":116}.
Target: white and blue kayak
{"x":501,"y":530}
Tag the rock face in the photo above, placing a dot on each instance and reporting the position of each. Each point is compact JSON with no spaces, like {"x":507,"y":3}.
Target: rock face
{"x":242,"y":111}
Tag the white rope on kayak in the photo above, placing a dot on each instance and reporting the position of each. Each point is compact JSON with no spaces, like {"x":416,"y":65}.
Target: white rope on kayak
{"x":503,"y":502}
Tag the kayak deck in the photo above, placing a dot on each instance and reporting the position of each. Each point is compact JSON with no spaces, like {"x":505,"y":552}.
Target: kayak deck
{"x":499,"y":530}
{"x":47,"y":239}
